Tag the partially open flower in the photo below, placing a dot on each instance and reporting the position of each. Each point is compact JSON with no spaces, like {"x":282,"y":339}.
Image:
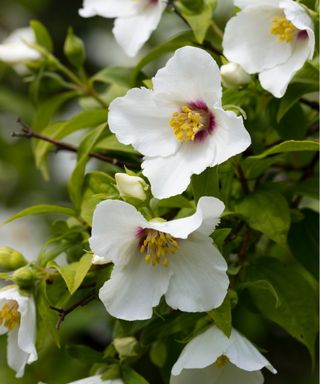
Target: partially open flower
{"x":18,"y":319}
{"x":130,"y":186}
{"x":271,"y":37}
{"x":213,"y":358}
{"x":179,"y":126}
{"x":135,"y":20}
{"x":233,"y":75}
{"x":154,"y":258}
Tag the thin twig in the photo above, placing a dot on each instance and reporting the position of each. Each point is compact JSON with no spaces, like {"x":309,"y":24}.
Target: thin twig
{"x":65,"y":312}
{"x":28,"y":133}
{"x":242,"y":179}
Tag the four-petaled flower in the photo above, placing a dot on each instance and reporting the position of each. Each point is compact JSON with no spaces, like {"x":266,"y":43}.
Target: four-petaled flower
{"x":271,"y":37}
{"x":179,"y":126}
{"x":153,"y":258}
{"x":213,"y":358}
{"x":135,"y":19}
{"x":18,"y":319}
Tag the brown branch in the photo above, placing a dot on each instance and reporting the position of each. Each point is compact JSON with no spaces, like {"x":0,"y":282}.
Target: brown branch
{"x":28,"y":133}
{"x":65,"y":312}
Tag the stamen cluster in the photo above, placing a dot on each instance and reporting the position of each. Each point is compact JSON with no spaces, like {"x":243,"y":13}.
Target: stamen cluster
{"x":9,"y":315}
{"x":284,"y":28}
{"x":186,"y":123}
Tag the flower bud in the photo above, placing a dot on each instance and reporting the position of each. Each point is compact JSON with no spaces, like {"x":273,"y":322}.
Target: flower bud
{"x":24,"y":277}
{"x":10,"y":259}
{"x":74,"y":49}
{"x":126,"y":346}
{"x":234,"y":76}
{"x":131,"y":186}
{"x":99,"y":260}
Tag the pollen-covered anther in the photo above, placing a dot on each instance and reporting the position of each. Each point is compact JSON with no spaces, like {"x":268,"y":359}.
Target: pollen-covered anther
{"x":222,"y":361}
{"x":156,"y":246}
{"x":10,"y":315}
{"x":283,"y":28}
{"x":186,"y":123}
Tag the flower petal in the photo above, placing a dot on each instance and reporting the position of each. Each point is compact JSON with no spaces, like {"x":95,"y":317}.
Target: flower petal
{"x":134,"y":289}
{"x":255,"y":3}
{"x":199,"y":281}
{"x":132,"y":32}
{"x":17,"y":358}
{"x":201,"y":351}
{"x":114,"y":227}
{"x":190,"y":75}
{"x":205,"y":219}
{"x":244,"y":355}
{"x":214,"y":375}
{"x":249,"y":42}
{"x":138,"y":119}
{"x":109,"y":8}
{"x":96,"y":380}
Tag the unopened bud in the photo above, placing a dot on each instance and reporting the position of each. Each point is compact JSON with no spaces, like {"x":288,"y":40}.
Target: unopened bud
{"x":130,"y":186}
{"x":24,"y":277}
{"x":74,"y":49}
{"x":10,"y":259}
{"x":99,"y":260}
{"x":126,"y":346}
{"x":234,"y":76}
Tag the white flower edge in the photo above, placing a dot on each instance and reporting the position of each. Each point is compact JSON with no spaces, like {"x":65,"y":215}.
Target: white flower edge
{"x":21,"y":340}
{"x":249,"y":42}
{"x":142,"y":117}
{"x":135,"y":21}
{"x":189,"y":283}
{"x":201,"y":353}
{"x":96,"y":380}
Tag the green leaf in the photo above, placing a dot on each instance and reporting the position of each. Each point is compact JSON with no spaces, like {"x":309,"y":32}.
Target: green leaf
{"x":288,"y":146}
{"x":158,"y":353}
{"x":293,"y":124}
{"x":41,"y":209}
{"x":262,"y":285}
{"x":219,"y":236}
{"x":206,"y":184}
{"x":222,"y":316}
{"x":113,"y":75}
{"x":130,"y":376}
{"x":297,"y":311}
{"x":42,"y":35}
{"x":266,"y":211}
{"x":110,"y":143}
{"x":77,"y":177}
{"x":200,"y":23}
{"x":73,"y":274}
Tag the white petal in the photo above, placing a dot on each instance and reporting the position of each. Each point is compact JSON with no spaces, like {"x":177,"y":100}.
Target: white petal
{"x":244,"y":355}
{"x":199,"y":281}
{"x":132,"y":32}
{"x":109,"y":8}
{"x":256,"y":3}
{"x":17,"y":358}
{"x":133,"y":290}
{"x":298,"y":16}
{"x":229,"y":137}
{"x":205,"y":219}
{"x":114,"y":227}
{"x":190,"y":75}
{"x":202,"y":351}
{"x":229,"y":374}
{"x":249,"y":42}
{"x":96,"y":380}
{"x":277,"y":79}
{"x":138,"y":119}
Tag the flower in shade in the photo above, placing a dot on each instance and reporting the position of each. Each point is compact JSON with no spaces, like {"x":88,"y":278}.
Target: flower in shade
{"x":135,"y":19}
{"x":214,"y":358}
{"x":233,"y":76}
{"x":155,"y":258}
{"x":18,"y":320}
{"x":97,"y":379}
{"x":15,"y":49}
{"x":271,"y":37}
{"x":180,"y":126}
{"x":131,"y":186}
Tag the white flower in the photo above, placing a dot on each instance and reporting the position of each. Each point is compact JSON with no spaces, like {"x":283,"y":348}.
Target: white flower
{"x":233,"y":75}
{"x":179,"y":126}
{"x":130,"y":186}
{"x":271,"y":37}
{"x":15,"y":49}
{"x":213,"y":358}
{"x":151,"y":258}
{"x":97,"y":380}
{"x":135,"y":19}
{"x":18,"y":319}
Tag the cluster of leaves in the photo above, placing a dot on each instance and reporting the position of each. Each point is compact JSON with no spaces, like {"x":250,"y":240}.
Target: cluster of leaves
{"x":268,"y":232}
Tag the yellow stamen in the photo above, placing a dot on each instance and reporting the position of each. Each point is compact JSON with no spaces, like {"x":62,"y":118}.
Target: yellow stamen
{"x":283,"y":28}
{"x":222,"y":361}
{"x":156,"y":246}
{"x":186,"y":124}
{"x":9,"y":315}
